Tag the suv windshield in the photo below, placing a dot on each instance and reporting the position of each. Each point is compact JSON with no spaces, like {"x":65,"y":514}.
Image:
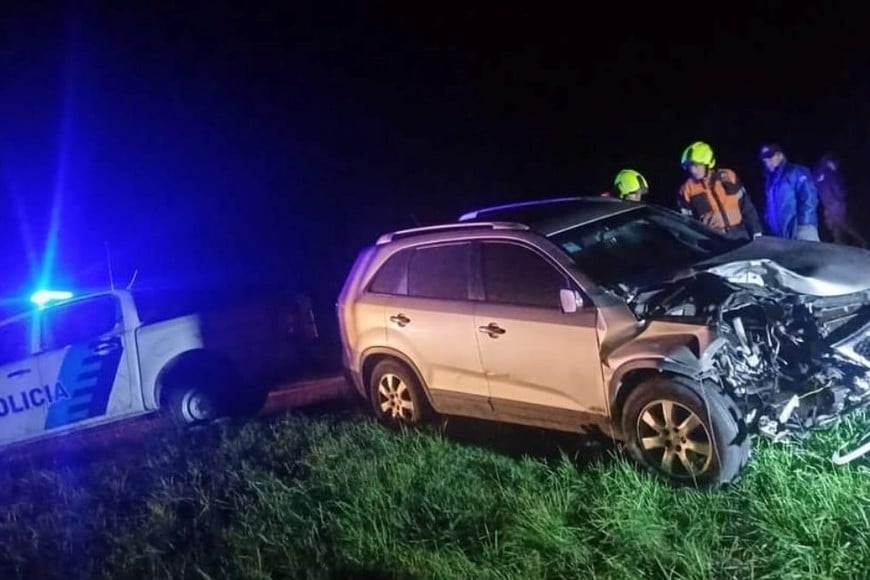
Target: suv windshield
{"x":640,"y":246}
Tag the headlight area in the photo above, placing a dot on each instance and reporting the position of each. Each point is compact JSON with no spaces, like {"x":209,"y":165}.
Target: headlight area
{"x":792,"y":362}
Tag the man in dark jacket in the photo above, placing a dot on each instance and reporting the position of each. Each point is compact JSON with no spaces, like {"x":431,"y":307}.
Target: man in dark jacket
{"x":791,"y":210}
{"x":832,"y":194}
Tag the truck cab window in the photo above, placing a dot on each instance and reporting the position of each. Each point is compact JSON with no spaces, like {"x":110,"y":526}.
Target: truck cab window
{"x":79,"y":321}
{"x":15,"y":341}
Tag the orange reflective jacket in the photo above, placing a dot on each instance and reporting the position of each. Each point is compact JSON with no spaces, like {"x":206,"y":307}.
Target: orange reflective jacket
{"x":714,"y":200}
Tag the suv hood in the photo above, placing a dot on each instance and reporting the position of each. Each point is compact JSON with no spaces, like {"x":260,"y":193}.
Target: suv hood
{"x":812,"y":268}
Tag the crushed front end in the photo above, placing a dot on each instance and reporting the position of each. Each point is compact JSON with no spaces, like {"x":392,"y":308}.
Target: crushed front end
{"x":792,"y":361}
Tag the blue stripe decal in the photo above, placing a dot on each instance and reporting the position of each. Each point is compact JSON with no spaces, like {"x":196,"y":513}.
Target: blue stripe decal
{"x":87,"y":375}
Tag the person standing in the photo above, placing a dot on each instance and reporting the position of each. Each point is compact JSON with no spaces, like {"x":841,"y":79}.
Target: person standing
{"x":631,"y":185}
{"x":791,"y":208}
{"x":716,"y":197}
{"x":832,"y":195}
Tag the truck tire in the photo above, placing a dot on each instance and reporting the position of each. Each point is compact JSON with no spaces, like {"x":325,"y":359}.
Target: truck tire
{"x":192,"y":405}
{"x":396,"y":395}
{"x":674,"y":430}
{"x":201,"y":388}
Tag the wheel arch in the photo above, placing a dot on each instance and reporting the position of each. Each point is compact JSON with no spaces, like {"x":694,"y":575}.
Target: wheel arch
{"x":684,"y":362}
{"x":179,"y":367}
{"x":370,"y":359}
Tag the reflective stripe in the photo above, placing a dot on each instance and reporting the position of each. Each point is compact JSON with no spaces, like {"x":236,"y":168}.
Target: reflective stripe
{"x":718,"y":209}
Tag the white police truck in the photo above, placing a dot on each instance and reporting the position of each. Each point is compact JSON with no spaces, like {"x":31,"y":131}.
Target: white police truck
{"x":88,"y":361}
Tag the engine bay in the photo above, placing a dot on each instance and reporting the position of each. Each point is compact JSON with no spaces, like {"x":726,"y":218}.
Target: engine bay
{"x":791,"y":361}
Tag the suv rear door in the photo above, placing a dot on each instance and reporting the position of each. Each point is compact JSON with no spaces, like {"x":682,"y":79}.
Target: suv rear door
{"x":431,"y":320}
{"x":543,"y":365}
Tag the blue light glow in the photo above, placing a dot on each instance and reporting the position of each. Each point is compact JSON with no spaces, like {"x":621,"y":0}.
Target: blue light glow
{"x":44,"y":297}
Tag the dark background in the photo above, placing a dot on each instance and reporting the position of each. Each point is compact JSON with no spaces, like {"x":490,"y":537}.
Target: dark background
{"x":263,"y":146}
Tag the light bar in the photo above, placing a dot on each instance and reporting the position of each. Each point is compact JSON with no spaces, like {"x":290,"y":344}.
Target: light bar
{"x":43,"y":297}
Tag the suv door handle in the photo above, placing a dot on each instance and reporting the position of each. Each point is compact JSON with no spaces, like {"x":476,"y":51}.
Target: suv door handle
{"x":492,"y":329}
{"x":18,"y":373}
{"x":400,"y":319}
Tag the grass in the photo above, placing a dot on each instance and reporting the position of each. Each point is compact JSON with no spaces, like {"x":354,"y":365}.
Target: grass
{"x":339,"y":496}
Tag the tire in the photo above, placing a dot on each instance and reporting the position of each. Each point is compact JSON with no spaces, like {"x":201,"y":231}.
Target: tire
{"x":710,"y":450}
{"x":202,"y":388}
{"x":190,"y":406}
{"x":396,"y":396}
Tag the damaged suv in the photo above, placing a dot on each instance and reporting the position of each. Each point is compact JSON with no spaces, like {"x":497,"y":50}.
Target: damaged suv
{"x":596,"y":315}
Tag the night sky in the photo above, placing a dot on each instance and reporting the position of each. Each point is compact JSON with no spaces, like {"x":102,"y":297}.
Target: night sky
{"x":241,"y":146}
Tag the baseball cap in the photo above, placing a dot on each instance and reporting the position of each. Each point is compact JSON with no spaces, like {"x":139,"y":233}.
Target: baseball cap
{"x":769,"y":150}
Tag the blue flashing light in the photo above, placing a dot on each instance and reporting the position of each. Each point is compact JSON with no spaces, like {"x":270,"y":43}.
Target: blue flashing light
{"x":44,"y":297}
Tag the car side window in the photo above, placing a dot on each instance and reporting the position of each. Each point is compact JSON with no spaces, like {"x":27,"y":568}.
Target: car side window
{"x":79,"y":321}
{"x":516,"y":275}
{"x":440,"y":272}
{"x":15,"y":341}
{"x":392,"y":278}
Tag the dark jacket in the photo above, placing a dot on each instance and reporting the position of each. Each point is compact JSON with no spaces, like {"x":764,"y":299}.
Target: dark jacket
{"x":792,"y":200}
{"x":832,"y":191}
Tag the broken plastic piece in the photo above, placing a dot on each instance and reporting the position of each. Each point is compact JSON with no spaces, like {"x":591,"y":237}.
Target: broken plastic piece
{"x":767,"y":427}
{"x":789,"y":409}
{"x":856,"y":453}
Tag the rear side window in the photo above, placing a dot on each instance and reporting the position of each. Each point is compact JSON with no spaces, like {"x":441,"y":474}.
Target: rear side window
{"x":79,"y":322}
{"x":391,"y":278}
{"x":440,"y":272}
{"x":519,"y":276}
{"x":15,"y":341}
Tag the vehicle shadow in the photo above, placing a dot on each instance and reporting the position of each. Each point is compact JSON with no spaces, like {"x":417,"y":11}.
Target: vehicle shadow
{"x":515,"y":441}
{"x":518,"y":441}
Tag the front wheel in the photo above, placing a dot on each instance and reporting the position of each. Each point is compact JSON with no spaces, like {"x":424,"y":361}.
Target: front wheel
{"x":673,"y":431}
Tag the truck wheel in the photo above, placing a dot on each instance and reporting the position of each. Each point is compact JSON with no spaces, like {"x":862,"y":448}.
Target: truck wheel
{"x":188,"y":406}
{"x":671,"y":430}
{"x":396,"y":396}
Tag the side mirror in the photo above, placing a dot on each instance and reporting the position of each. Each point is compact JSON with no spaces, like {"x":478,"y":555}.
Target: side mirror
{"x":570,"y":300}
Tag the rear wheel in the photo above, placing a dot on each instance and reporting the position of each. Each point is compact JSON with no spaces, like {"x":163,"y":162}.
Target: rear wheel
{"x":188,"y":406}
{"x":201,"y":388}
{"x":396,"y":395}
{"x":675,"y":432}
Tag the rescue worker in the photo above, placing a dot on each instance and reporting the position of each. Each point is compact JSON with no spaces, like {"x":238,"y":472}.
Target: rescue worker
{"x":716,"y":197}
{"x":630,"y":185}
{"x":832,"y":195}
{"x":792,"y":200}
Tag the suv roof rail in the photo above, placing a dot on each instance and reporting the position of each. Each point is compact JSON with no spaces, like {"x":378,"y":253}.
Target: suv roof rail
{"x":474,"y":214}
{"x":387,"y":238}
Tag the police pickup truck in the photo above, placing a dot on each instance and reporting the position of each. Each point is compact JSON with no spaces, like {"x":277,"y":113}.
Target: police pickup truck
{"x":88,"y":361}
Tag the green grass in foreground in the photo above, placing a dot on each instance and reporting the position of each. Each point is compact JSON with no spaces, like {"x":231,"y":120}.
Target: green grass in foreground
{"x":327,"y":497}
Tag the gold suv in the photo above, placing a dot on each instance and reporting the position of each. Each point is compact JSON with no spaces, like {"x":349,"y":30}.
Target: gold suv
{"x":596,"y":315}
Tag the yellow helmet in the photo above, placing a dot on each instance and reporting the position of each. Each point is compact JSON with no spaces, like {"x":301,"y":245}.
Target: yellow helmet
{"x":629,"y":181}
{"x":698,"y":152}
